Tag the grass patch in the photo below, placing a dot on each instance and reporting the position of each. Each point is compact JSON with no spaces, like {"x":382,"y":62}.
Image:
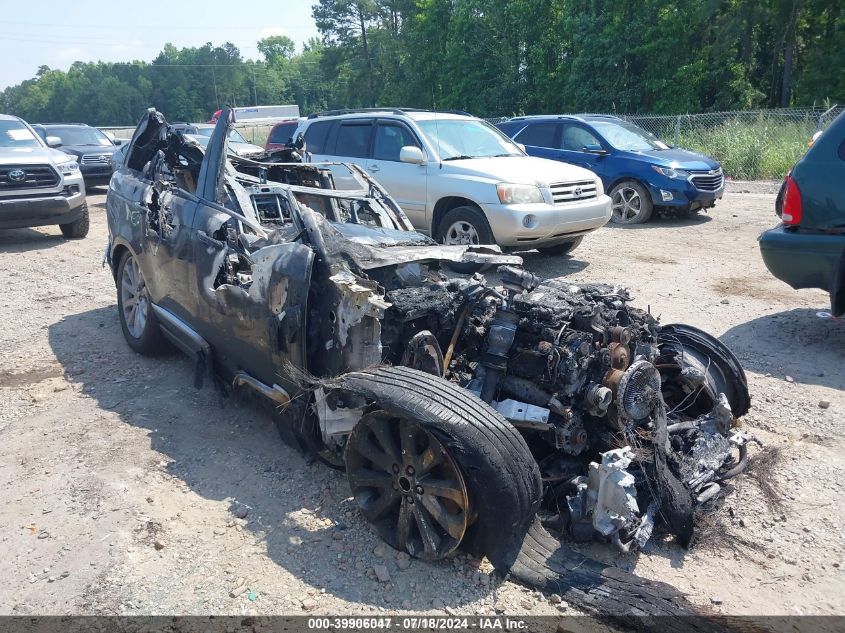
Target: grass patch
{"x":760,"y":149}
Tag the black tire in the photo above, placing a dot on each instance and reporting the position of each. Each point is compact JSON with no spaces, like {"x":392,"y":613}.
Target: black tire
{"x":473,"y":217}
{"x":78,"y":228}
{"x":149,"y":341}
{"x":564,"y":248}
{"x":501,"y":476}
{"x":622,"y":214}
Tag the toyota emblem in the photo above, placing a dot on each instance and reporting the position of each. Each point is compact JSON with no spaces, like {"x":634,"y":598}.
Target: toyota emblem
{"x":578,"y":191}
{"x":17,"y":175}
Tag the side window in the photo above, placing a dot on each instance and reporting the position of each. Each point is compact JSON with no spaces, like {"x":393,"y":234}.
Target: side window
{"x":282,"y":133}
{"x":390,"y":139}
{"x":353,"y":139}
{"x":575,"y":138}
{"x":315,"y":136}
{"x":538,"y":135}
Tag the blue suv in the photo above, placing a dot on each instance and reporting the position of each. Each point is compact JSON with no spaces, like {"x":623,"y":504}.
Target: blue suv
{"x":640,"y":173}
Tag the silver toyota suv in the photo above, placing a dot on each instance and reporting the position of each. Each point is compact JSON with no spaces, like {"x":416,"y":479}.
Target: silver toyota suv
{"x":38,"y":185}
{"x":461,"y":180}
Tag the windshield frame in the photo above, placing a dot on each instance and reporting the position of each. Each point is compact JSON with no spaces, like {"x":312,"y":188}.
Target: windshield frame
{"x":651,"y":141}
{"x":435,"y":143}
{"x":39,"y":142}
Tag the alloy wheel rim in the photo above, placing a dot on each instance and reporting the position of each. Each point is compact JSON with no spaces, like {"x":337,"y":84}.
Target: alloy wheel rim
{"x":461,"y":233}
{"x":134,"y":298}
{"x":626,"y":204}
{"x":407,"y":486}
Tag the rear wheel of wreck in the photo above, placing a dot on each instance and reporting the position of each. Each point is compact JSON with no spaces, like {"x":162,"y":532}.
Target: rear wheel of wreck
{"x":137,"y":319}
{"x":434,"y":468}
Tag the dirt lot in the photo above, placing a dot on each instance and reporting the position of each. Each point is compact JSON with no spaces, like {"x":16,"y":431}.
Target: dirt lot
{"x":125,"y":490}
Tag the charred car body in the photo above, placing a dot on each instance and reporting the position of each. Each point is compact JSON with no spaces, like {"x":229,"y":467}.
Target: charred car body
{"x":458,"y":406}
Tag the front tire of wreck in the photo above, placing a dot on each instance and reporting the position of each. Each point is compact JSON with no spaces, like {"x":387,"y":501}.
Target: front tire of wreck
{"x":434,"y":469}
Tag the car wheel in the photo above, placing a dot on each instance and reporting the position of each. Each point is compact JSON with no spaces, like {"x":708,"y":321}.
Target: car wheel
{"x":433,"y":468}
{"x":564,"y":248}
{"x":79,"y":227}
{"x":464,"y":226}
{"x":630,"y":203}
{"x":137,"y":319}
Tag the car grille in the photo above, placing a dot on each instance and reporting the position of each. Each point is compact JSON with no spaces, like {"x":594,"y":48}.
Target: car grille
{"x":708,"y":180}
{"x":96,"y":159}
{"x":563,"y":192}
{"x":34,"y":176}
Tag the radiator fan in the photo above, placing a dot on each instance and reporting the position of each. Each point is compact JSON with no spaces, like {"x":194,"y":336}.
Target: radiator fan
{"x":639,"y":390}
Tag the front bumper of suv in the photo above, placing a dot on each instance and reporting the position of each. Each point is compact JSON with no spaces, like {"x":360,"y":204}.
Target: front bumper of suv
{"x":532,"y":225}
{"x":41,"y":209}
{"x":685,"y":193}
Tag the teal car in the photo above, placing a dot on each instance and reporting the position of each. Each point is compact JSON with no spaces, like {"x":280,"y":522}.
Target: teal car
{"x":807,"y":250}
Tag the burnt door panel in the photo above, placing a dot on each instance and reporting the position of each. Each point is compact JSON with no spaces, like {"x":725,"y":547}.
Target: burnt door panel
{"x":167,"y":253}
{"x":155,"y":224}
{"x":251,"y":309}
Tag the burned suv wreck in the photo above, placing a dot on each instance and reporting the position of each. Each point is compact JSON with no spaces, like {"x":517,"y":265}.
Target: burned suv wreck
{"x":459,"y":407}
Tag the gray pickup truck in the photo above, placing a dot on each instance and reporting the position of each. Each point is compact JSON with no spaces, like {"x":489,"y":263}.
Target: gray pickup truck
{"x":39,"y":185}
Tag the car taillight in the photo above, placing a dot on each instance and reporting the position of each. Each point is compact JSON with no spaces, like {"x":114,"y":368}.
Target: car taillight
{"x":792,"y":203}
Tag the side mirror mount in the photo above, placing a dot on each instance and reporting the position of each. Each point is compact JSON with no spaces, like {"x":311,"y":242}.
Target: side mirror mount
{"x":594,"y":148}
{"x":54,"y":141}
{"x":411,"y":154}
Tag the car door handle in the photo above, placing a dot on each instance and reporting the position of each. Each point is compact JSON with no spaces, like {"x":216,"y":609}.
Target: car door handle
{"x":373,"y":167}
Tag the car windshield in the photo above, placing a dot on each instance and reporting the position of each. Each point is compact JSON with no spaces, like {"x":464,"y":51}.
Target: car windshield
{"x":627,"y":136}
{"x":15,"y":134}
{"x":455,"y":139}
{"x":79,"y":135}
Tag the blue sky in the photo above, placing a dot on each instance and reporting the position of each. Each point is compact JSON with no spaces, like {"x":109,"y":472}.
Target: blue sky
{"x":60,"y":32}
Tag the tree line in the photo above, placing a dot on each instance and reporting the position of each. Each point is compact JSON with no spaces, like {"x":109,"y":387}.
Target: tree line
{"x":488,"y":57}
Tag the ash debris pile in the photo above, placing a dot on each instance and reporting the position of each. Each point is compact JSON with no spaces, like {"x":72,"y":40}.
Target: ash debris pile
{"x":633,"y":424}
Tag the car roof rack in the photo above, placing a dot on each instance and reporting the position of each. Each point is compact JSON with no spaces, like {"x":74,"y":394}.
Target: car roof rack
{"x":390,"y":110}
{"x":578,"y":117}
{"x":62,"y":123}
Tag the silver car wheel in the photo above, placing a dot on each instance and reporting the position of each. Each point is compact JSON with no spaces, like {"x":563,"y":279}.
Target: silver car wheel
{"x":134,"y":298}
{"x":461,"y":233}
{"x":626,"y":204}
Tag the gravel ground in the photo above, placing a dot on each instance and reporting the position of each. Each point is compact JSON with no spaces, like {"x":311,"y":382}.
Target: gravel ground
{"x":123,"y":490}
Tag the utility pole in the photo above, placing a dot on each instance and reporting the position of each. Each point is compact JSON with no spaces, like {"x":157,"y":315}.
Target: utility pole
{"x":254,"y":86}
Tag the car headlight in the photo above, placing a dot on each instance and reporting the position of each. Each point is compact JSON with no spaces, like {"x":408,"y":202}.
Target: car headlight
{"x":68,"y":168}
{"x":518,"y":194}
{"x":671,"y":173}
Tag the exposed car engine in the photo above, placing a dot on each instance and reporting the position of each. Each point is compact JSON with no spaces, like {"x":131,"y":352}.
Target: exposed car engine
{"x":632,"y":423}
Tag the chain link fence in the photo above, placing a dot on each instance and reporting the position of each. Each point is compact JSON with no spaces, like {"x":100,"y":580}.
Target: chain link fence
{"x":750,"y":144}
